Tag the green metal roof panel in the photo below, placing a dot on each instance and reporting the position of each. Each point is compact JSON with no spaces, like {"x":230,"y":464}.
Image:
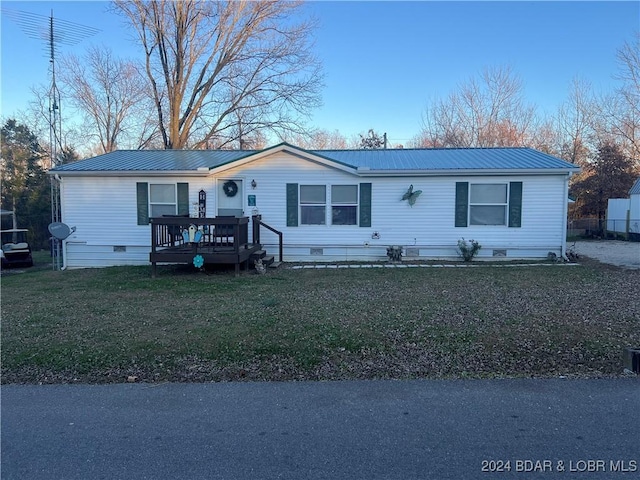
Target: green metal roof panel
{"x":431,"y":159}
{"x":155,"y":160}
{"x":447,"y":159}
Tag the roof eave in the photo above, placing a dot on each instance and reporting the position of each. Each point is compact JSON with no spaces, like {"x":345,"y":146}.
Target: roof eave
{"x":130,"y":173}
{"x":467,"y":172}
{"x":288,"y":148}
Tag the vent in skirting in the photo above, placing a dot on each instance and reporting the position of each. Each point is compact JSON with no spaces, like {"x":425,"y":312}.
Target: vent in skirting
{"x":413,"y":252}
{"x":499,"y":253}
{"x":119,"y":248}
{"x":316,"y":251}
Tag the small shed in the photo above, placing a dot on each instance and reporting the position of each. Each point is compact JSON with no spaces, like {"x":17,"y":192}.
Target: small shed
{"x":623,"y":214}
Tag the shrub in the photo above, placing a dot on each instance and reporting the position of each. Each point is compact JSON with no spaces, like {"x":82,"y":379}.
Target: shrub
{"x":468,"y":249}
{"x":394,"y":252}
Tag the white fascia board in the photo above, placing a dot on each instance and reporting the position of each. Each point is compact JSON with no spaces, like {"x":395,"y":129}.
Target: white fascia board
{"x":327,"y":163}
{"x":465,"y":172}
{"x":292,"y":151}
{"x":130,"y":173}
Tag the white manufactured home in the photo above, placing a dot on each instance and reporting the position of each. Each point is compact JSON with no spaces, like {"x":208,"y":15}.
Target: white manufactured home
{"x":328,"y":205}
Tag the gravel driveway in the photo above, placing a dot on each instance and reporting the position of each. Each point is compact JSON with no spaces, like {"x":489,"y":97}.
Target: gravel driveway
{"x":613,"y":252}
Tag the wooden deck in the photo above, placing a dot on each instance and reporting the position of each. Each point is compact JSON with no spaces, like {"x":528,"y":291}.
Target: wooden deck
{"x":219,"y":240}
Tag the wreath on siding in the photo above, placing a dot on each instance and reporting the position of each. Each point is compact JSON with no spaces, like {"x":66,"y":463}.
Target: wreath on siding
{"x":230,"y":188}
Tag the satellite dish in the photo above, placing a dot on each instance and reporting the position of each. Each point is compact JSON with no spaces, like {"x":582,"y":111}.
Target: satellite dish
{"x":60,"y":230}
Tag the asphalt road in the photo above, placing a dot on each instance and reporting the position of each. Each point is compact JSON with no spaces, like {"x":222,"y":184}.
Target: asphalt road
{"x":324,"y":430}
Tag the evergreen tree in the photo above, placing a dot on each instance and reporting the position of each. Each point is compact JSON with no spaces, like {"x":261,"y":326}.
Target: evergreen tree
{"x":609,"y":175}
{"x":25,"y":185}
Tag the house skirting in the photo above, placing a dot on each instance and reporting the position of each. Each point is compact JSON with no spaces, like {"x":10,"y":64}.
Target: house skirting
{"x":341,"y":253}
{"x":81,"y":255}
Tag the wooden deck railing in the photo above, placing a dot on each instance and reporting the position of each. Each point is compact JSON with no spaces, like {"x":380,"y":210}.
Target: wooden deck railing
{"x":167,"y":232}
{"x":257,"y":223}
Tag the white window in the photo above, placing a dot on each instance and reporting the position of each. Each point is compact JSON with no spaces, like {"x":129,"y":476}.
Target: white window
{"x":344,"y":205}
{"x":488,"y":204}
{"x":313,"y":204}
{"x":162,"y":200}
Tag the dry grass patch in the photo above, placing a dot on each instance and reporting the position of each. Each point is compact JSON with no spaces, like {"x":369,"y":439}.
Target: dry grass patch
{"x":103,"y":325}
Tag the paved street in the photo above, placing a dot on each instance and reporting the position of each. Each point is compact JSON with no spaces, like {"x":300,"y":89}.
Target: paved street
{"x":324,"y":430}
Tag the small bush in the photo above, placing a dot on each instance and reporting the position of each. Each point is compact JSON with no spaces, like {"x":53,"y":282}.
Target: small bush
{"x":468,"y":249}
{"x":394,"y":252}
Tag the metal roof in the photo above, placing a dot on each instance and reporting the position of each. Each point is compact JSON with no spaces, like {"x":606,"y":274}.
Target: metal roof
{"x":635,"y":189}
{"x":154,"y":160}
{"x":430,"y":159}
{"x":447,"y":159}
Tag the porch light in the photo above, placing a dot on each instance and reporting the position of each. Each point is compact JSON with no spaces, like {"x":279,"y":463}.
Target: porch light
{"x":253,"y":184}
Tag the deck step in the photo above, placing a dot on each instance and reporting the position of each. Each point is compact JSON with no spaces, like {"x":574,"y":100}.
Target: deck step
{"x":258,"y":254}
{"x":268,"y":260}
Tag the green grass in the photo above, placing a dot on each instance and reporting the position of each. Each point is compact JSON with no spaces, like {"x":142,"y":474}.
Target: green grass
{"x":102,"y":325}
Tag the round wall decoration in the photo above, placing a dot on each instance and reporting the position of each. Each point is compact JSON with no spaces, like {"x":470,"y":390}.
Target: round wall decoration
{"x":230,"y":188}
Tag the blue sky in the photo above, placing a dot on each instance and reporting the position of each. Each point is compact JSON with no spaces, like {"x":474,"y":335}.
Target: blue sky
{"x":384,"y":60}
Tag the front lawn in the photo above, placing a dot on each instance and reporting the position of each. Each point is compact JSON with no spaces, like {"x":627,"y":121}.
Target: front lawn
{"x":105,"y":325}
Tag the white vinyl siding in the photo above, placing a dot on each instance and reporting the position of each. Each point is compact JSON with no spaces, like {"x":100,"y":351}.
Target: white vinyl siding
{"x":428,"y":225}
{"x":104,"y":212}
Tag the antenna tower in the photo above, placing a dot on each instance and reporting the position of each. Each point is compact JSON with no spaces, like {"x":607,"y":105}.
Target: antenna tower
{"x":56,"y":33}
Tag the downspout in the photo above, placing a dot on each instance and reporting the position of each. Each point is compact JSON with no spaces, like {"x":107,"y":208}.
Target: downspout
{"x":565,"y":214}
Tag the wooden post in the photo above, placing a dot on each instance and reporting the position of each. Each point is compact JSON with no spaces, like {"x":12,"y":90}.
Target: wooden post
{"x":154,"y":229}
{"x":627,"y":225}
{"x":256,"y":229}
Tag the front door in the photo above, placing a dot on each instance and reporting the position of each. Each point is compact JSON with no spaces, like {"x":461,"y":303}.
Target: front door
{"x":230,"y":197}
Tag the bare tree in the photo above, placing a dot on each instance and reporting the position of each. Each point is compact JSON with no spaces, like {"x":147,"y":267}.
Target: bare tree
{"x":111,"y":94}
{"x":577,"y":123}
{"x":318,"y":140}
{"x":205,"y":60}
{"x":372,"y":140}
{"x":621,"y":110}
{"x":545,"y":138}
{"x":488,"y":111}
{"x":37,"y":119}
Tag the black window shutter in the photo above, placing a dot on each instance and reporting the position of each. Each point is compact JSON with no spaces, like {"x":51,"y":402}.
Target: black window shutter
{"x":365,"y":204}
{"x":515,"y":204}
{"x":142,"y":198}
{"x":183,"y":199}
{"x":292,"y":204}
{"x":462,"y":203}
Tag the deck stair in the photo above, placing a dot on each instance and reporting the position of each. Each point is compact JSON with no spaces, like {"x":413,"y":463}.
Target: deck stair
{"x":267,"y":260}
